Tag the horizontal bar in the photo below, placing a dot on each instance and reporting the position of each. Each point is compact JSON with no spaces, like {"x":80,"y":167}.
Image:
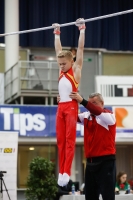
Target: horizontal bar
{"x":68,"y":24}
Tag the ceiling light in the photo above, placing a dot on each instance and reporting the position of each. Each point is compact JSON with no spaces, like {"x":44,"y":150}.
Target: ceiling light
{"x":31,"y":148}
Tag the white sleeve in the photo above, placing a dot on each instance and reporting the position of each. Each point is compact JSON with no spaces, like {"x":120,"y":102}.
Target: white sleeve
{"x":108,"y":118}
{"x":82,"y":116}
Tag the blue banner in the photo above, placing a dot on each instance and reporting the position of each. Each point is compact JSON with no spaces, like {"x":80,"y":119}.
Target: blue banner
{"x":32,"y":121}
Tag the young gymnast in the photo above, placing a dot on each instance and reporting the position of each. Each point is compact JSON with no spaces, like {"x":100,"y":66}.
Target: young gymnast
{"x":66,"y":117}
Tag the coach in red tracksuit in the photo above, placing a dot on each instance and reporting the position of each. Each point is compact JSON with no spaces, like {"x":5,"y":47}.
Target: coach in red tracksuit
{"x":99,"y":143}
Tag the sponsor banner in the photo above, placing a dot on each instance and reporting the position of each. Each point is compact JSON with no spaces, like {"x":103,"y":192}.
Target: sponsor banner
{"x":39,"y":121}
{"x":124,"y":120}
{"x":28,"y":120}
{"x":8,"y":163}
{"x":32,"y":121}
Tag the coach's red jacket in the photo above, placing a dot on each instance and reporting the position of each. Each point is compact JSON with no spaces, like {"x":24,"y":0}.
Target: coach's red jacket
{"x":99,"y":131}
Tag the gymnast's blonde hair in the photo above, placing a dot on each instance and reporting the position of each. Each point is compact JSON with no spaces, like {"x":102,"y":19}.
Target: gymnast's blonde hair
{"x":65,"y":54}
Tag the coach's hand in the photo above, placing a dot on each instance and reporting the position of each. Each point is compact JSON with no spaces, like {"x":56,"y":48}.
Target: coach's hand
{"x":76,"y":96}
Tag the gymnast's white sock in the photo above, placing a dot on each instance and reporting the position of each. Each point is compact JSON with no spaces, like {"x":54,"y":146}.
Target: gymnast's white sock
{"x":60,"y":180}
{"x":65,"y":179}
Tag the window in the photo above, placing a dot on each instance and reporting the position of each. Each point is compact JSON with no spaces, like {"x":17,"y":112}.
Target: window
{"x":26,"y":154}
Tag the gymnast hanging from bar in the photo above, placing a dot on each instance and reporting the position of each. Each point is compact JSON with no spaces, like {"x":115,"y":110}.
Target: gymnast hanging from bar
{"x":66,"y":117}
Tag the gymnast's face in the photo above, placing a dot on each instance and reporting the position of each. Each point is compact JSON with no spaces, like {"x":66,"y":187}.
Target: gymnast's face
{"x":65,"y":64}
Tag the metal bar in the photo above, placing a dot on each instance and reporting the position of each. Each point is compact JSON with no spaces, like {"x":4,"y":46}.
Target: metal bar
{"x":68,"y":24}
